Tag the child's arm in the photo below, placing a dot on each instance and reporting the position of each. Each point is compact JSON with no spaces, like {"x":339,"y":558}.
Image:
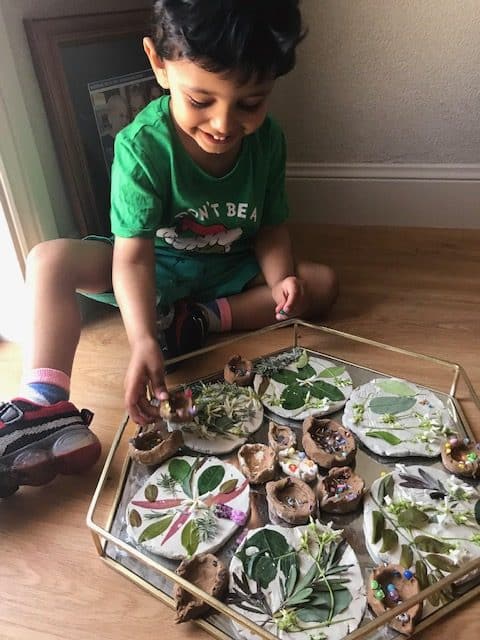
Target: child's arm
{"x":134,"y":285}
{"x":274,"y":254}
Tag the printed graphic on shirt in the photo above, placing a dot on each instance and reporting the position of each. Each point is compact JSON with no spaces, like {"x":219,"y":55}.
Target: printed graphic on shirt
{"x":192,"y":231}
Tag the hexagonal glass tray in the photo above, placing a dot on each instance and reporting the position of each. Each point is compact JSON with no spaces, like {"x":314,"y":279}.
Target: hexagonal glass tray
{"x":364,"y":360}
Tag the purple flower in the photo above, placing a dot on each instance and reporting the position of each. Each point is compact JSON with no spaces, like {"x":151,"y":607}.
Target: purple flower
{"x":226,"y":512}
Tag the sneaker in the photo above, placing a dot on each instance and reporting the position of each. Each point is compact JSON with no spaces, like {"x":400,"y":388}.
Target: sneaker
{"x":187,"y":332}
{"x":38,"y":442}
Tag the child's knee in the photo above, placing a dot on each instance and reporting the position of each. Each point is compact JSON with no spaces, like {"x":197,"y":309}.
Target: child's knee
{"x":46,"y":255}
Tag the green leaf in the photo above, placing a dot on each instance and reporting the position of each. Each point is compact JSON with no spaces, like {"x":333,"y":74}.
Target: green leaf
{"x":293,"y":397}
{"x":190,"y":537}
{"x":391,"y":404}
{"x":378,"y":526}
{"x":385,"y":488}
{"x":476,"y":511}
{"x":332,"y":372}
{"x":434,"y":599}
{"x":390,"y":540}
{"x":155,"y":529}
{"x":302,"y":360}
{"x":308,"y":578}
{"x":291,"y":580}
{"x":269,"y":548}
{"x":320,"y":389}
{"x":300,"y":596}
{"x":441,"y":562}
{"x":412,"y":518}
{"x":307,"y":372}
{"x":406,"y":559}
{"x":421,"y":574}
{"x":313,"y":614}
{"x":151,"y":492}
{"x":432,"y":545}
{"x":228,"y":486}
{"x":321,"y":612}
{"x":210,"y":479}
{"x":178,"y":469}
{"x":285,"y":376}
{"x":396,"y":387}
{"x":384,"y":435}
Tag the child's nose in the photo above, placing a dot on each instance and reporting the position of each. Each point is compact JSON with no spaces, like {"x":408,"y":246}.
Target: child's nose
{"x":222,"y":121}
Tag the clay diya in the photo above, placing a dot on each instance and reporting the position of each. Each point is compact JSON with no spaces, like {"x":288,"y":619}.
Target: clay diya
{"x":154,"y":445}
{"x":389,"y":586}
{"x":280,"y":437}
{"x":290,"y":502}
{"x":178,"y":407}
{"x":341,"y":491}
{"x":206,"y":572}
{"x":257,"y":462}
{"x":295,"y":464}
{"x":327,"y":443}
{"x":461,"y":456}
{"x":238,"y":371}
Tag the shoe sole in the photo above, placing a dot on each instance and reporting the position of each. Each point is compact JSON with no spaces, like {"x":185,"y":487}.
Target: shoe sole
{"x":67,"y":452}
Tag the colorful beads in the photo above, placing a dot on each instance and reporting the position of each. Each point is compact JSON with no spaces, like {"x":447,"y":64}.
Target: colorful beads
{"x":403,"y":617}
{"x":472,"y":456}
{"x":374,"y":584}
{"x":408,"y":575}
{"x":379,"y":595}
{"x":391,"y":587}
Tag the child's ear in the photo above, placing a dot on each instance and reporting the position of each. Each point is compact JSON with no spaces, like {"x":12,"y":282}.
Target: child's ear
{"x":157,"y":63}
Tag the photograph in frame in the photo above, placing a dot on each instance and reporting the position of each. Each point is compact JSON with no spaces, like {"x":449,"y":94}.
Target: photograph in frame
{"x":82,"y":61}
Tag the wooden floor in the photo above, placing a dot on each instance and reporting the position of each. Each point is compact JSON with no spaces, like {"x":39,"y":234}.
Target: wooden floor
{"x":415,"y":289}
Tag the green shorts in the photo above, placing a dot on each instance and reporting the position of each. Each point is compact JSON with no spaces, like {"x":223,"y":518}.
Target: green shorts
{"x":196,"y":277}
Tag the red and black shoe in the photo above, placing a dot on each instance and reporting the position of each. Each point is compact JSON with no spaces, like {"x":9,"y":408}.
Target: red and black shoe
{"x":185,"y":332}
{"x":38,"y":442}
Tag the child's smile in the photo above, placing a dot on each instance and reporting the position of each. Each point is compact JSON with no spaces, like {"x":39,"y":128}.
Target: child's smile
{"x":213,"y":112}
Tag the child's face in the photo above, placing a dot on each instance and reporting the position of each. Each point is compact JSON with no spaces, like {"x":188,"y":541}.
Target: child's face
{"x":212,"y":109}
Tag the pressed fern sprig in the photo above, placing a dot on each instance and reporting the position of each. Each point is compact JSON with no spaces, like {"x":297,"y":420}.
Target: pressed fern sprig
{"x":207,"y":525}
{"x":272,"y":364}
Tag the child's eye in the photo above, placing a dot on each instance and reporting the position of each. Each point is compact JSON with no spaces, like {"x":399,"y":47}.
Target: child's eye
{"x":197,"y":104}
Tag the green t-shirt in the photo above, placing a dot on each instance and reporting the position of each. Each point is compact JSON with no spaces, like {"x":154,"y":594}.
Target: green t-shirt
{"x":159,"y":192}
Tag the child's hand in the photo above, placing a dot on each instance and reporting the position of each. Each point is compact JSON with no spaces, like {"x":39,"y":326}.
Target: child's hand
{"x":144,"y":370}
{"x":288,"y":295}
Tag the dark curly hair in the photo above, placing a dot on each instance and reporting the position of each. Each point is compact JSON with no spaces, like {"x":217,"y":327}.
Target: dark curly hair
{"x":254,"y":38}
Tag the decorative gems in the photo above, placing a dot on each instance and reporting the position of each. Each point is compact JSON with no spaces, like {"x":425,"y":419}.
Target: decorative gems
{"x":391,"y":587}
{"x":296,"y":464}
{"x":408,"y":575}
{"x":460,"y":456}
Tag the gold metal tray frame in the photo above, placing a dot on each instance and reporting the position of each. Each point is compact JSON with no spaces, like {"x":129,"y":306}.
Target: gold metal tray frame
{"x":102,"y":534}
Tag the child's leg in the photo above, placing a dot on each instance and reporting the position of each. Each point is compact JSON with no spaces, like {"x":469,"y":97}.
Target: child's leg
{"x":254,"y":307}
{"x":55,"y":270}
{"x":41,"y":433}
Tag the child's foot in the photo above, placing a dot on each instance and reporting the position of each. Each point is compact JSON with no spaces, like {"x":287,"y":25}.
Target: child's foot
{"x":38,"y":442}
{"x":187,"y":331}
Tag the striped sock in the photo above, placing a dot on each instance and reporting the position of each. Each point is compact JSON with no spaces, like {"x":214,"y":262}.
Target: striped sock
{"x":219,"y":314}
{"x":45,"y":386}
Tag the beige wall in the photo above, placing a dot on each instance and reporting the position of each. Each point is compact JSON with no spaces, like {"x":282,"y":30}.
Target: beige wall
{"x":380,"y":84}
{"x":385,"y":81}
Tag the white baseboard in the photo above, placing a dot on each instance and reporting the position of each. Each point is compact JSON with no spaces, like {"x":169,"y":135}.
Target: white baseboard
{"x":413,"y":195}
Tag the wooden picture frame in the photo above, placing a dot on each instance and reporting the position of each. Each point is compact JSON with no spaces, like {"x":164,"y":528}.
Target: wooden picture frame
{"x":81,"y":62}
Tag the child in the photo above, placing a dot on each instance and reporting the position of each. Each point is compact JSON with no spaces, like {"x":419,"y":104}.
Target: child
{"x":198,"y":215}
